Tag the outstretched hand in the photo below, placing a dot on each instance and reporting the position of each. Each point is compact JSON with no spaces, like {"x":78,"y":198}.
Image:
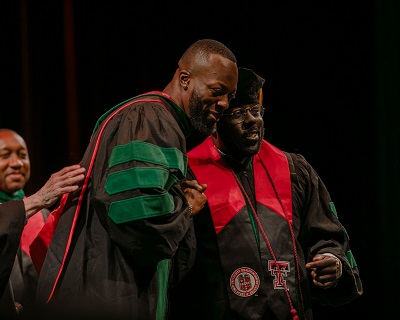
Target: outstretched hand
{"x":194,"y":193}
{"x":325,"y":270}
{"x":64,"y":181}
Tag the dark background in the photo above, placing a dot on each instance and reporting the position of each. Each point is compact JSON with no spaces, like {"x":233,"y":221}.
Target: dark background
{"x":331,"y":94}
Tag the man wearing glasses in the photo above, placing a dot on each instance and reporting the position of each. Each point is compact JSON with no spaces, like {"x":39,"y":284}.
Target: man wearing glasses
{"x":269,"y":239}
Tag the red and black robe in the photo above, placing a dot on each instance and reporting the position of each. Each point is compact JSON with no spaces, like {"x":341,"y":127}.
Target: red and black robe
{"x":241,"y":269}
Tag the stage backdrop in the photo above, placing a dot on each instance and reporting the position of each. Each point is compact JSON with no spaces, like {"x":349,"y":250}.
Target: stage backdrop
{"x":331,"y":94}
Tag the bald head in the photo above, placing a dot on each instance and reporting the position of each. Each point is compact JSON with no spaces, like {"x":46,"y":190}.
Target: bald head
{"x":204,"y":83}
{"x":199,"y":53}
{"x":6,"y":133}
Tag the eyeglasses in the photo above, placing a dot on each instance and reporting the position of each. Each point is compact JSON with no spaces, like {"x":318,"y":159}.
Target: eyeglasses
{"x":239,"y":115}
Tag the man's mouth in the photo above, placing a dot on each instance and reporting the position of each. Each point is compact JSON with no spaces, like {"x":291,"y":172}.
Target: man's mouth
{"x":15,"y":176}
{"x":252,"y":135}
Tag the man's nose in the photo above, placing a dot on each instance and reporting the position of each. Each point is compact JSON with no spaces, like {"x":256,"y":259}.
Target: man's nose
{"x":224,"y":102}
{"x":16,"y":161}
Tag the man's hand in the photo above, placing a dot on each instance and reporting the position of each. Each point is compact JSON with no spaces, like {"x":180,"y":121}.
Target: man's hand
{"x":194,"y":193}
{"x":64,"y":181}
{"x":325,"y":270}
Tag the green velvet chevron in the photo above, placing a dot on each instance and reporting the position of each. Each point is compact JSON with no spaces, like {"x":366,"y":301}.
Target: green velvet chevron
{"x":142,"y":177}
{"x":147,"y":152}
{"x":143,"y":207}
{"x":161,"y":178}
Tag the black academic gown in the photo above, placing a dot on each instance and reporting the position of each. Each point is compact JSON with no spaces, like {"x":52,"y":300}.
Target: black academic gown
{"x":240,"y":273}
{"x":127,"y":220}
{"x":12,"y":221}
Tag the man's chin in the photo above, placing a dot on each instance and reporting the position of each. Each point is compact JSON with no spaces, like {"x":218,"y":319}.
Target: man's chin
{"x":205,"y":128}
{"x":252,"y":150}
{"x":14,"y":188}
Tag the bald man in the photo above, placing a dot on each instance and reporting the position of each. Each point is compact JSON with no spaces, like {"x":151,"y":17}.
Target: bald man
{"x":16,"y":231}
{"x":110,"y":256}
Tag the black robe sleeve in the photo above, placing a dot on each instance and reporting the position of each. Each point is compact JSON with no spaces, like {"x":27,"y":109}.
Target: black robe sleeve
{"x":322,"y":232}
{"x":12,"y":221}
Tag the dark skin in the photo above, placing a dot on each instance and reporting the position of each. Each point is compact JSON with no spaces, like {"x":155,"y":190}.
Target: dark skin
{"x":239,"y":140}
{"x":203,"y":88}
{"x":15,"y":166}
{"x":194,"y":193}
{"x":323,"y":271}
{"x":15,"y":170}
{"x":242,"y":140}
{"x":64,"y":181}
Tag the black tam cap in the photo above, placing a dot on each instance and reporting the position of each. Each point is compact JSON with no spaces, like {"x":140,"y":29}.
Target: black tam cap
{"x":248,"y":88}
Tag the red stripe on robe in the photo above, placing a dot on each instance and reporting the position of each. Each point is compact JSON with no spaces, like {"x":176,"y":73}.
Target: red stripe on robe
{"x":42,"y":241}
{"x":31,"y":230}
{"x":224,"y":195}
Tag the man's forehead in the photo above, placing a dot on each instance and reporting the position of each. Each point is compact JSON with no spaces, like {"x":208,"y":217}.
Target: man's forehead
{"x":12,"y":142}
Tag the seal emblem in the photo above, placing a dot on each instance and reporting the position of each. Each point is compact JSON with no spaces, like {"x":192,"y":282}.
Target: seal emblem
{"x":244,"y":282}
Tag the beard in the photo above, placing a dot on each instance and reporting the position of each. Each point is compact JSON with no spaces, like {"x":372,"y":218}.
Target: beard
{"x":242,"y":148}
{"x":198,"y":118}
{"x":239,"y":147}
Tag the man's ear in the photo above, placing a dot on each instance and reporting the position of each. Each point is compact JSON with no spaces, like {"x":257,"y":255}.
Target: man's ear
{"x":184,"y":78}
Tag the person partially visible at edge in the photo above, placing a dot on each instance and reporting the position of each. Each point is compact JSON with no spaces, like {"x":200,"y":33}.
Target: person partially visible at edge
{"x":110,"y":254}
{"x":269,"y":238}
{"x":18,"y":277}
